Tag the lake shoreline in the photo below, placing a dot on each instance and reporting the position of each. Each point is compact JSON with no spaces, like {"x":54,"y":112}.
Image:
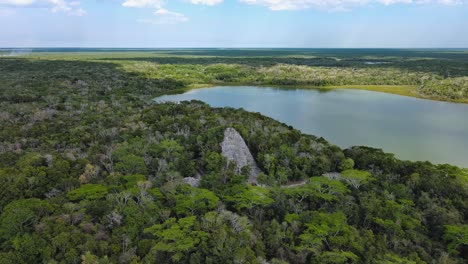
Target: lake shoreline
{"x":413,"y":122}
{"x":402,"y":90}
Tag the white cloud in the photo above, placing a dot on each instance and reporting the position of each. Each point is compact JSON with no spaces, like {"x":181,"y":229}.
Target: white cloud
{"x":164,"y":16}
{"x":144,"y":3}
{"x":17,"y":2}
{"x":71,"y":8}
{"x":206,"y":2}
{"x":278,"y":5}
{"x":391,"y":2}
{"x":441,"y":2}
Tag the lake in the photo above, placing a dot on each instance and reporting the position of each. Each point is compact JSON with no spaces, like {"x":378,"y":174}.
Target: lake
{"x":411,"y":128}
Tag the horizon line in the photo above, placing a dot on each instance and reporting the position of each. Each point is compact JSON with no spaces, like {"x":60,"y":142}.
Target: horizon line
{"x":233,"y":48}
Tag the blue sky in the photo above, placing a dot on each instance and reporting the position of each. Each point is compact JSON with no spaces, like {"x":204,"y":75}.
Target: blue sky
{"x":234,"y":23}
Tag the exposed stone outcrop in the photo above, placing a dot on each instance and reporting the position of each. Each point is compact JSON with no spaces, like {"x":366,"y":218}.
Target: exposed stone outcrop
{"x":194,"y":182}
{"x":234,"y":149}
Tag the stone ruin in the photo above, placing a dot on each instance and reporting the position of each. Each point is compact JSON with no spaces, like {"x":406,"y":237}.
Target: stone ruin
{"x":235,"y":150}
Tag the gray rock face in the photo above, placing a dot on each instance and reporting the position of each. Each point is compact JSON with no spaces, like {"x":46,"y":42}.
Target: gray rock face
{"x":194,"y":182}
{"x":235,"y":150}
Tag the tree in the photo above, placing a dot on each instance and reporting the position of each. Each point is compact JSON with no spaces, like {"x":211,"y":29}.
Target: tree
{"x":213,"y":161}
{"x":317,"y":187}
{"x":346,"y":164}
{"x":89,"y":173}
{"x":327,"y":189}
{"x":249,"y":197}
{"x":31,"y":248}
{"x":232,"y":238}
{"x":195,"y":201}
{"x":390,"y":258}
{"x":329,"y":232}
{"x":132,"y":180}
{"x":177,"y":237}
{"x":12,"y":186}
{"x":337,"y":257}
{"x":88,"y":191}
{"x":131,"y":164}
{"x":89,"y":258}
{"x":457,"y":236}
{"x":355,"y":178}
{"x":169,"y":149}
{"x":19,"y":216}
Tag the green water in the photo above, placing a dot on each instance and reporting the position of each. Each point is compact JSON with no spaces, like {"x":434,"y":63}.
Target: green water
{"x":411,"y":128}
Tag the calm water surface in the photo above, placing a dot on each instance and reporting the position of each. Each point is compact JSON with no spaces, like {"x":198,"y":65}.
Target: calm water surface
{"x":413,"y":129}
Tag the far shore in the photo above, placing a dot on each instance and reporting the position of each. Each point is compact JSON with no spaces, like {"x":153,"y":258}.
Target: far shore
{"x":403,"y":90}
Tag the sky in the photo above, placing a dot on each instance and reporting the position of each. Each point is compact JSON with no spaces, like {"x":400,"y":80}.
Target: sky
{"x":234,"y":23}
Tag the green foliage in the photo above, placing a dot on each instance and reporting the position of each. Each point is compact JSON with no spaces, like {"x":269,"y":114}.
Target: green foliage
{"x":329,"y":231}
{"x":176,"y":237}
{"x":392,"y":259}
{"x":21,"y":215}
{"x":355,"y":178}
{"x":89,"y":258}
{"x":337,"y":257}
{"x":247,"y":198}
{"x":458,"y":237}
{"x":318,"y":190}
{"x":453,"y":88}
{"x":88,"y":191}
{"x":195,"y":201}
{"x":133,"y":179}
{"x":32,"y":159}
{"x":91,"y":169}
{"x":346,"y":164}
{"x":131,"y":164}
{"x":236,"y":233}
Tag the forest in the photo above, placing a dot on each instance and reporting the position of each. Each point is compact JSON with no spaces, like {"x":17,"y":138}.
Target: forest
{"x":92,"y":169}
{"x":432,"y":74}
